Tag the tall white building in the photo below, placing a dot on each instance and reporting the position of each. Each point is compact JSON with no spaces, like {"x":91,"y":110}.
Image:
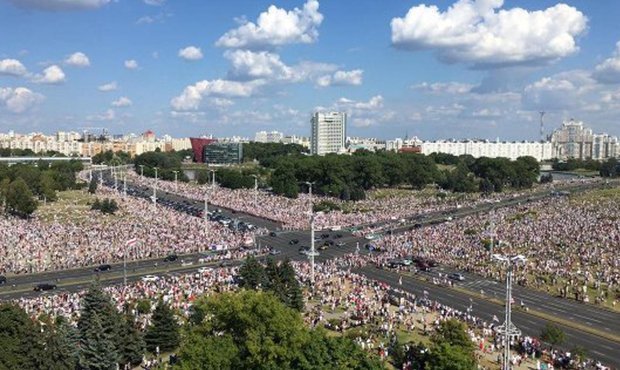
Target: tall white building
{"x":492,"y":149}
{"x":329,"y":131}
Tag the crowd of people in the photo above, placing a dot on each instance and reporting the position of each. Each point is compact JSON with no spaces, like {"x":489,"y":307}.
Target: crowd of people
{"x":570,"y":245}
{"x":380,"y":309}
{"x":36,"y":245}
{"x":294,"y":213}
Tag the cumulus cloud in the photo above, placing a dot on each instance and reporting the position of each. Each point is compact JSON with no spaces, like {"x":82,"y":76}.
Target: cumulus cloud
{"x":483,"y":34}
{"x":444,"y":87}
{"x":192,"y":95}
{"x":110,"y":86}
{"x":108,"y":115}
{"x":340,"y":78}
{"x":131,"y":64}
{"x":376,"y":102}
{"x":154,"y":2}
{"x":12,"y":67}
{"x":249,"y":65}
{"x":190,"y":53}
{"x":567,"y":90}
{"x":122,"y":102}
{"x":77,"y":59}
{"x":19,"y":99}
{"x":55,"y":5}
{"x":52,"y":75}
{"x":609,"y":70}
{"x":276,"y":27}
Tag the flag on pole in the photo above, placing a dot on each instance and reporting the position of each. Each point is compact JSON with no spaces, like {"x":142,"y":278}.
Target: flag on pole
{"x":495,"y":318}
{"x":400,"y":280}
{"x":131,"y":242}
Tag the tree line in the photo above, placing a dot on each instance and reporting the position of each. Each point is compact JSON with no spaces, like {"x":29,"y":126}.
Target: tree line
{"x":21,"y":183}
{"x":166,"y":162}
{"x":349,"y":177}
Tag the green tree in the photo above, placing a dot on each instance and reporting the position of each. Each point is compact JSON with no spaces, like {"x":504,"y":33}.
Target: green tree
{"x":253,"y":330}
{"x":252,"y":274}
{"x":20,"y":345}
{"x":453,"y":332}
{"x":47,"y":186}
{"x":97,"y":348}
{"x":552,"y":334}
{"x":61,"y":343}
{"x":132,"y":343}
{"x":92,"y":186}
{"x":284,"y":182}
{"x":19,"y":198}
{"x":444,"y":356}
{"x":96,"y":303}
{"x":163,"y":331}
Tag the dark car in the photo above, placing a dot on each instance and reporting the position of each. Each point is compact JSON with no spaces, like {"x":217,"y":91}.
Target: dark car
{"x":2,"y":280}
{"x":44,"y":286}
{"x":338,"y":236}
{"x":171,"y":258}
{"x":273,"y":233}
{"x":293,"y":241}
{"x":103,"y":268}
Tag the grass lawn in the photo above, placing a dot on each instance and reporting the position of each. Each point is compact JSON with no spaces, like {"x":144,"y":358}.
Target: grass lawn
{"x":71,"y":206}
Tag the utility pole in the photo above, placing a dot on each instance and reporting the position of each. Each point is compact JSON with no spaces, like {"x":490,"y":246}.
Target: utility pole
{"x":176,"y":187}
{"x":141,"y":170}
{"x":213,"y":178}
{"x":508,"y":329}
{"x":125,"y":182}
{"x":255,"y":189}
{"x":312,"y":250}
{"x":155,"y":188}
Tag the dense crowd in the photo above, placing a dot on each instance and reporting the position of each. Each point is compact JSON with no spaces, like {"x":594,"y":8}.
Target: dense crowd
{"x":571,"y":244}
{"x":294,"y":213}
{"x":367,"y":303}
{"x":35,"y":245}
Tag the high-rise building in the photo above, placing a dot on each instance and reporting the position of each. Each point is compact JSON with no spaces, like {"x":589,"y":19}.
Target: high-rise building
{"x":574,"y":140}
{"x":328,"y":132}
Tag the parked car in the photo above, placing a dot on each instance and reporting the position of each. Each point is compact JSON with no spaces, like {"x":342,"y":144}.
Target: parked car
{"x":103,"y":268}
{"x":150,"y":278}
{"x":456,"y":276}
{"x":293,"y":241}
{"x":44,"y":286}
{"x":171,"y":258}
{"x":274,"y":252}
{"x":273,"y":233}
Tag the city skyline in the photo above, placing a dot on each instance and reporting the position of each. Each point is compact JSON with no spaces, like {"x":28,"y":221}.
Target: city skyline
{"x":447,"y":69}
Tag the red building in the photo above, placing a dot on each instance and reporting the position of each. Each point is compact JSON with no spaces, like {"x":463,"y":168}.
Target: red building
{"x":198,"y":143}
{"x":410,"y":149}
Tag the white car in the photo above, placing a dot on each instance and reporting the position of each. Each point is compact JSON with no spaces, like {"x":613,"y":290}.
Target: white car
{"x":203,"y":270}
{"x":150,"y":278}
{"x":310,"y":253}
{"x":187,"y":263}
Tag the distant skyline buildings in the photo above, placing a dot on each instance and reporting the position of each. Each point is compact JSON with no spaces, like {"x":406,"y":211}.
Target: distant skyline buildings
{"x":157,"y":67}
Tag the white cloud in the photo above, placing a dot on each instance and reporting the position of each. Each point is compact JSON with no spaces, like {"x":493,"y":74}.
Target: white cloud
{"x":77,"y":59}
{"x":192,"y":95}
{"x":121,"y":102}
{"x":444,"y":87}
{"x":154,"y":2}
{"x":481,"y":33}
{"x":376,"y":102}
{"x":276,"y":27}
{"x":54,"y":5}
{"x":221,"y":102}
{"x":12,"y":67}
{"x":157,"y":18}
{"x":110,"y":86}
{"x":609,"y":70}
{"x":340,"y":78}
{"x":108,"y":115}
{"x":131,"y":64}
{"x":190,"y":53}
{"x":570,"y":90}
{"x":249,"y":65}
{"x":19,"y":99}
{"x":52,"y":75}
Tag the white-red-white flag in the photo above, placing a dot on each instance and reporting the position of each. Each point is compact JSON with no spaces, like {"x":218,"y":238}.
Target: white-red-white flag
{"x":131,"y":242}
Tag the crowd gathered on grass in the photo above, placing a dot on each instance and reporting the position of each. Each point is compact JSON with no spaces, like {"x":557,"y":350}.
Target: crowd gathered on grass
{"x":85,"y":236}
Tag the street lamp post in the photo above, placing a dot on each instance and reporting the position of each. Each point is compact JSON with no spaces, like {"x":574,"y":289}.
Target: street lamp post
{"x":176,"y":187}
{"x":141,"y":170}
{"x":125,"y":183}
{"x":155,"y":187}
{"x":255,"y":189}
{"x":311,"y":233}
{"x":508,"y":329}
{"x":115,"y":178}
{"x":213,"y":177}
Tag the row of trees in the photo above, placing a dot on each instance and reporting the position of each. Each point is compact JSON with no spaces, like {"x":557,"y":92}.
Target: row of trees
{"x":107,"y":206}
{"x":20,"y":183}
{"x":103,"y":338}
{"x":166,"y":163}
{"x":267,"y":153}
{"x":348,"y":177}
{"x":112,"y":158}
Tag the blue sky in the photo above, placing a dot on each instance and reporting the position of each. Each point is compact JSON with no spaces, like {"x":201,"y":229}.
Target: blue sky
{"x":435,"y":69}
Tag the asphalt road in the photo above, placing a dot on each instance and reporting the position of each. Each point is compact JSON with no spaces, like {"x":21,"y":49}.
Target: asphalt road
{"x":602,"y":349}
